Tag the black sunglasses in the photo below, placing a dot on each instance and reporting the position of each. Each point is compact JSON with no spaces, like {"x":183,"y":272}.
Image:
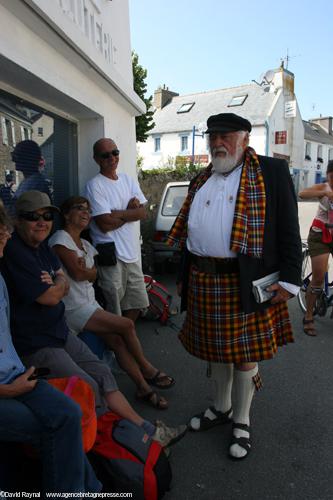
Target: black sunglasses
{"x":81,"y":208}
{"x":34,"y":217}
{"x":107,"y":154}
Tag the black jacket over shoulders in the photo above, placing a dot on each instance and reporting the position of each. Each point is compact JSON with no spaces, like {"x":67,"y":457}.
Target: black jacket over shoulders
{"x":282,"y":242}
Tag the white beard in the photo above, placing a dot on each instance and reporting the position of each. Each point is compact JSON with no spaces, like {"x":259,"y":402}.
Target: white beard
{"x":228,"y":163}
{"x":223,"y":165}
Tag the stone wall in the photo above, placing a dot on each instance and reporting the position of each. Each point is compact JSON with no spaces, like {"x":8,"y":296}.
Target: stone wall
{"x":152,"y":185}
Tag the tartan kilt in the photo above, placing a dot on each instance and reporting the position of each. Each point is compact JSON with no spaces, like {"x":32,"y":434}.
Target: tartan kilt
{"x":216,"y":329}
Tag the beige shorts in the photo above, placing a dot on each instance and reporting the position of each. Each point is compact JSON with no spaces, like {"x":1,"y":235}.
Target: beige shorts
{"x":77,"y":318}
{"x":123,"y":287}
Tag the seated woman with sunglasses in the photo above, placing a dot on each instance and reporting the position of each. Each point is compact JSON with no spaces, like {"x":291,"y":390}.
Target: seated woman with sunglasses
{"x":84,"y":313}
{"x":36,"y":286}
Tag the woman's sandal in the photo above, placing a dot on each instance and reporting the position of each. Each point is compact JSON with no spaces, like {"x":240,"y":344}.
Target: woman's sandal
{"x":242,"y":442}
{"x":307,"y":329}
{"x":161,"y":381}
{"x":152,"y":398}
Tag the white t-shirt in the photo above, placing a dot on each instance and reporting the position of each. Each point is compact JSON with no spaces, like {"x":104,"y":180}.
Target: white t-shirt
{"x":80,"y":292}
{"x":106,"y":195}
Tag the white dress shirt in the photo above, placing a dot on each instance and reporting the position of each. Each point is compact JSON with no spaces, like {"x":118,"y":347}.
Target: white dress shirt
{"x":211,"y":218}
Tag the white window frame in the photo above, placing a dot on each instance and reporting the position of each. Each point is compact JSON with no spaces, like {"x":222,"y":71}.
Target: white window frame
{"x":157,"y":138}
{"x":330,"y":154}
{"x":4,"y":131}
{"x":308,"y":149}
{"x":320,"y":151}
{"x":237,"y":100}
{"x":182,"y":138}
{"x":12,"y":124}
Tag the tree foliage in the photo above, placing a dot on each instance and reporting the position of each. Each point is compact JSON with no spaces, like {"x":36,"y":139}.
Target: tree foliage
{"x":144,"y":123}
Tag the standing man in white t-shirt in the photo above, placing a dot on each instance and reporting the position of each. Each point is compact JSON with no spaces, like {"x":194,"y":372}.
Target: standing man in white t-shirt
{"x":117,"y":202}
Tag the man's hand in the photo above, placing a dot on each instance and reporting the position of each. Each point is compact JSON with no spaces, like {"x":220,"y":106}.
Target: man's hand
{"x":281,"y":294}
{"x":21,"y":385}
{"x":134,"y":203}
{"x":60,"y":277}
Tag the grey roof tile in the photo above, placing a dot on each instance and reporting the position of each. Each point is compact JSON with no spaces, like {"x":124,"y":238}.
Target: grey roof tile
{"x":313,"y":132}
{"x":255,"y":108}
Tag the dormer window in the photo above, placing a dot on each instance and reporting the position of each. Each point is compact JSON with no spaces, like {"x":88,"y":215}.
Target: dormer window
{"x":185,"y":108}
{"x":238,"y":100}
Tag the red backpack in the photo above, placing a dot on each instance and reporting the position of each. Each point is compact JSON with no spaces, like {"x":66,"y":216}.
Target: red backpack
{"x":126,"y":459}
{"x":159,"y":300}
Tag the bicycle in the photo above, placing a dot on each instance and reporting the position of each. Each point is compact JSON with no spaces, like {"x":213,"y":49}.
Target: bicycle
{"x":325,"y":298}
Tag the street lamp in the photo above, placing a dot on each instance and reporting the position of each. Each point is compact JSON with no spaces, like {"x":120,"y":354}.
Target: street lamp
{"x":201,"y":129}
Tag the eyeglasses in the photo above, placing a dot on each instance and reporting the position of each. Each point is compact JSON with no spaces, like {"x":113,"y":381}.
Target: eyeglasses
{"x":108,"y":154}
{"x":34,"y":217}
{"x":81,"y":208}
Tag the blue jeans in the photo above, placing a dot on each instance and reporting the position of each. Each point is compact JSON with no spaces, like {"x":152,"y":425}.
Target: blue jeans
{"x":47,"y":418}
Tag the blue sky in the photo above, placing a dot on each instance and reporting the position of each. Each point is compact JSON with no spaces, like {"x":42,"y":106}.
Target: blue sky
{"x":194,"y":45}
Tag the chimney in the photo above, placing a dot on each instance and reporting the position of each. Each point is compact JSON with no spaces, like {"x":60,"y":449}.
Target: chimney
{"x":325,"y":123}
{"x":285,"y":79}
{"x":163,"y":96}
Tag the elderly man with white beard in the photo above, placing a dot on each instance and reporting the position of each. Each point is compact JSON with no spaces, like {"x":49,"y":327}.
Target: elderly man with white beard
{"x":238,"y":224}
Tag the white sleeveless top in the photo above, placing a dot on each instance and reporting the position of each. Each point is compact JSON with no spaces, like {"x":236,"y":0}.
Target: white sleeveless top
{"x":80,"y":292}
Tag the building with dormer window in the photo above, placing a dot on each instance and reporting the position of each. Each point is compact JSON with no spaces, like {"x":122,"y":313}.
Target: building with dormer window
{"x":270,"y":105}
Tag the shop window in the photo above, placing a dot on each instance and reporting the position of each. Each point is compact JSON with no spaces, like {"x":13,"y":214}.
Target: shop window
{"x":39,"y":148}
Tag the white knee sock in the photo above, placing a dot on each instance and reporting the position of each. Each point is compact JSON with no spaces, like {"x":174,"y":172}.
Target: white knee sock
{"x":223,"y":375}
{"x":243,"y":394}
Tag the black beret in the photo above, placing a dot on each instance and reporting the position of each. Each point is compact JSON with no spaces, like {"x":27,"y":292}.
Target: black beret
{"x":227,"y":122}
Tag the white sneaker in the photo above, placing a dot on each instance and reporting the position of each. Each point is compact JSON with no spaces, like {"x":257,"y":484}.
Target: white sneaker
{"x":168,"y":436}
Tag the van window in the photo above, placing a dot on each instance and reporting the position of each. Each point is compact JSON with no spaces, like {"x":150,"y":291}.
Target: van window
{"x":174,"y":200}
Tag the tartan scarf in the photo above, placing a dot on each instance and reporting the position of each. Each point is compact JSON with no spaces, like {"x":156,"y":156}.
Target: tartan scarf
{"x":247,"y":234}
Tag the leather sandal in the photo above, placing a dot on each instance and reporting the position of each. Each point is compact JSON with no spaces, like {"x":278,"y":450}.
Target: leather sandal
{"x":161,"y":381}
{"x":206,"y":423}
{"x":152,"y":398}
{"x":307,"y":329}
{"x":243,"y":442}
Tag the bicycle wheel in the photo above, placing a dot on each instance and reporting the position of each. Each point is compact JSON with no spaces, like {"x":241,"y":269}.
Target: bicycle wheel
{"x":306,"y":278}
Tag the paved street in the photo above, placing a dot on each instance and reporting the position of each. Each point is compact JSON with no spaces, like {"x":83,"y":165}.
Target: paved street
{"x":292,"y":429}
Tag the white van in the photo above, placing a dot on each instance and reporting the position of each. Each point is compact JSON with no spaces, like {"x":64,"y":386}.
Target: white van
{"x":172,"y":199}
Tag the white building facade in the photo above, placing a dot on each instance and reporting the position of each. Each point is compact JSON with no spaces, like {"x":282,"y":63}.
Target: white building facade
{"x":271,"y":107}
{"x":71,"y":61}
{"x":318,"y":149}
